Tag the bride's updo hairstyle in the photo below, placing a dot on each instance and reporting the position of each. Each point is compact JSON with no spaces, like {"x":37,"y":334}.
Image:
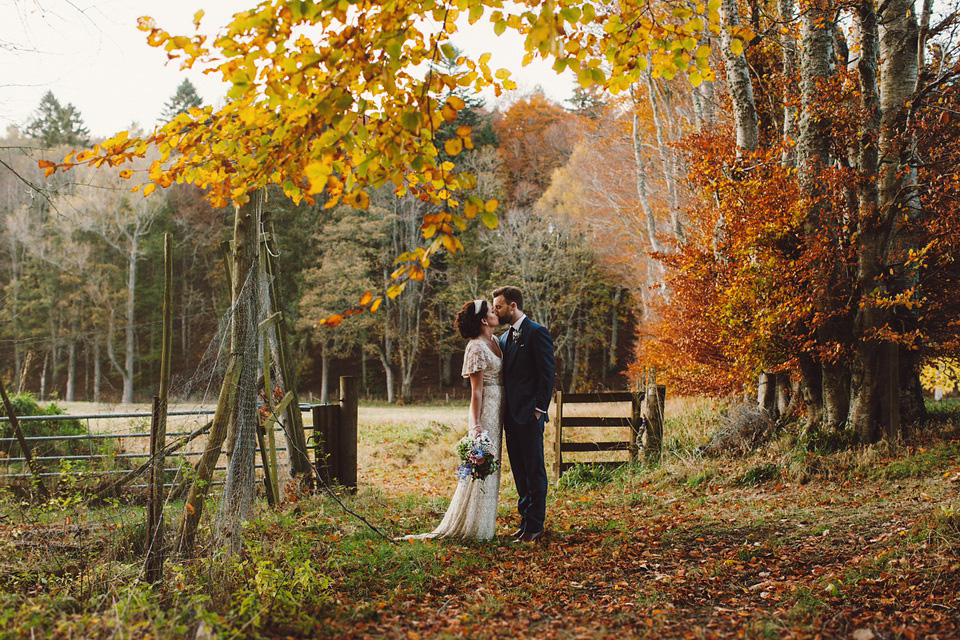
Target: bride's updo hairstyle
{"x":468,"y":320}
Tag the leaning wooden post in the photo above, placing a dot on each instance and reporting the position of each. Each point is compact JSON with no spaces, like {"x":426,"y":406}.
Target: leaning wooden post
{"x":158,"y":427}
{"x":558,"y":439}
{"x":349,"y":401}
{"x":242,"y":260}
{"x":296,"y":438}
{"x":18,"y":433}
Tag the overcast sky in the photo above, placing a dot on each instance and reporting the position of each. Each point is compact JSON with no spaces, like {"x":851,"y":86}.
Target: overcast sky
{"x":91,"y":54}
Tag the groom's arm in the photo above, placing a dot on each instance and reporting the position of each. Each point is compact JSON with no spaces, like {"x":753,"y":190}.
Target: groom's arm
{"x":542,"y":345}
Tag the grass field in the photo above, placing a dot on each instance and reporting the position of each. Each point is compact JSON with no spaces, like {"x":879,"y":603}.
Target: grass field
{"x":778,"y":543}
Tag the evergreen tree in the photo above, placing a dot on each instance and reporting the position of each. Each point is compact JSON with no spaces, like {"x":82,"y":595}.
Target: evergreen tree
{"x":55,"y":124}
{"x":588,"y":102}
{"x":185,"y":98}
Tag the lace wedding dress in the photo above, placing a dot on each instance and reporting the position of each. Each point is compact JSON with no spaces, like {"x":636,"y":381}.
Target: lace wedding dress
{"x":473,"y":510}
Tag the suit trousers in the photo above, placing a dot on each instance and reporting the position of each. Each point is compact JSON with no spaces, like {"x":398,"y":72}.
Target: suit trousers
{"x":525,"y":448}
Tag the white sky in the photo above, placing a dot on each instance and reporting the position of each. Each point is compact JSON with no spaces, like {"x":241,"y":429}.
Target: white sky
{"x":91,"y":54}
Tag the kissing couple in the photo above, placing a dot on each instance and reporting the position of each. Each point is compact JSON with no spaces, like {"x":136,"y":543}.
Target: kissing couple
{"x":511,"y":384}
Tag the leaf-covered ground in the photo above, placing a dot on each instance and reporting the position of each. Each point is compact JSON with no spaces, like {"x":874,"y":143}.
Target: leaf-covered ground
{"x":860,"y":555}
{"x":861,"y":543}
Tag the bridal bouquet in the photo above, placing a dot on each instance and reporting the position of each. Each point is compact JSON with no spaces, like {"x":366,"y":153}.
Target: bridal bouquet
{"x":477,"y":457}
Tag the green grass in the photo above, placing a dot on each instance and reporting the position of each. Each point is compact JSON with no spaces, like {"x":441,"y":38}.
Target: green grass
{"x":928,"y":460}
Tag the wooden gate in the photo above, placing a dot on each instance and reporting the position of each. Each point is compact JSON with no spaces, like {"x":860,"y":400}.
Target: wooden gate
{"x":645,"y":420}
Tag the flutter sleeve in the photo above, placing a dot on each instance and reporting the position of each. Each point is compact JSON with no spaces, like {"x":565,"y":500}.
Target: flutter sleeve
{"x":474,"y":359}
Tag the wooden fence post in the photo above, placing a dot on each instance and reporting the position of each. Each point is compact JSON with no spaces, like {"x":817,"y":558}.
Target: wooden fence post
{"x":153,"y":564}
{"x":654,"y":402}
{"x":326,"y":435}
{"x":349,"y":402}
{"x":558,"y":439}
{"x":158,"y":427}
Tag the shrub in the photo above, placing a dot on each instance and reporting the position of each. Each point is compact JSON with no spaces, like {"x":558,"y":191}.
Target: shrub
{"x":24,"y":404}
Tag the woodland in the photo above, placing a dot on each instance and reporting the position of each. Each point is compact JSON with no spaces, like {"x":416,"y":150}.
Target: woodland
{"x":758,"y":201}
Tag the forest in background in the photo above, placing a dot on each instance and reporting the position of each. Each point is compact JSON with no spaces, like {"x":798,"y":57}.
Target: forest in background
{"x":82,"y":265}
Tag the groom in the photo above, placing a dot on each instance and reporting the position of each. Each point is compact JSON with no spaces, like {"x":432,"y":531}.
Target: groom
{"x":528,"y":372}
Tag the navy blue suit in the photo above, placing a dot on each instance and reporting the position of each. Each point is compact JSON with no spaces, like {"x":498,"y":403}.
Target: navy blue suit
{"x":528,"y":378}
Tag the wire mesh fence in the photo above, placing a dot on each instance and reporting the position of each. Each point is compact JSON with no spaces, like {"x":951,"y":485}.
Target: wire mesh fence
{"x":110,"y":453}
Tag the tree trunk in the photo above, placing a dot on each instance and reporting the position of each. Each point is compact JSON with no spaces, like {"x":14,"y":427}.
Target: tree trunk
{"x":912,"y":408}
{"x":876,"y":410}
{"x":614,"y":332}
{"x":642,"y":195}
{"x":666,"y":154}
{"x":836,"y":395}
{"x":789,"y":46}
{"x":129,"y":329}
{"x":71,"y":369}
{"x":364,"y":372}
{"x":43,"y":376}
{"x":811,"y":386}
{"x":324,"y":372}
{"x":96,"y":369}
{"x":738,"y":82}
{"x":446,"y":369}
{"x":767,"y":394}
{"x":388,"y":373}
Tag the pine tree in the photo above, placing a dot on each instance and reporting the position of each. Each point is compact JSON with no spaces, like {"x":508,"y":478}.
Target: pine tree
{"x":588,"y":102}
{"x":55,"y":124}
{"x":185,"y":98}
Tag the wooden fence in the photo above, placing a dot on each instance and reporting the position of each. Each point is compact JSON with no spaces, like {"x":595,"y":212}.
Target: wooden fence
{"x":645,"y":420}
{"x":335,"y":437}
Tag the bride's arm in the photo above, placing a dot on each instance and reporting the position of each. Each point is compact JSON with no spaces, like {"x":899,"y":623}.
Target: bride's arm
{"x":476,"y":401}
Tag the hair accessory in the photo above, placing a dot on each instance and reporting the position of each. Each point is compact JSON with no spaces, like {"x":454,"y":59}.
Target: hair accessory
{"x":476,"y":307}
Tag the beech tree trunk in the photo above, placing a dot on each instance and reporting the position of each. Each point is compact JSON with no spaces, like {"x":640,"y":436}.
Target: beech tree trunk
{"x":71,"y":369}
{"x":739,"y":82}
{"x":324,"y":373}
{"x":642,"y":195}
{"x":789,"y":45}
{"x":663,"y":148}
{"x":876,"y":401}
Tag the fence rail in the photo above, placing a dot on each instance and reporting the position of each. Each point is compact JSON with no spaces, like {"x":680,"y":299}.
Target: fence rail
{"x":304,"y":407}
{"x":645,"y":423}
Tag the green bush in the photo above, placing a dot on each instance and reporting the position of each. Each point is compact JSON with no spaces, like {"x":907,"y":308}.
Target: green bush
{"x":24,"y":404}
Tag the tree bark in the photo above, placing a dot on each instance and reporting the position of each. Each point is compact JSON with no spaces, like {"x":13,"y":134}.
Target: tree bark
{"x":666,"y":154}
{"x":642,"y":195}
{"x":811,"y":386}
{"x":129,"y":329}
{"x":789,"y":46}
{"x":738,"y":82}
{"x":325,"y":372}
{"x":96,"y":369}
{"x":71,"y":369}
{"x":892,"y":39}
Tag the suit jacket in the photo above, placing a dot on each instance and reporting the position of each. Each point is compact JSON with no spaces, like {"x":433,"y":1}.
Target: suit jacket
{"x":528,"y":371}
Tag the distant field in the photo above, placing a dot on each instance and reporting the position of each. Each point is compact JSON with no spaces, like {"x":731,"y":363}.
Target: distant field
{"x":410,"y":448}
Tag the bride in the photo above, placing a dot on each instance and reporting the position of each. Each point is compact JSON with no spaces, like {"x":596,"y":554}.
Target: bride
{"x":473,"y":510}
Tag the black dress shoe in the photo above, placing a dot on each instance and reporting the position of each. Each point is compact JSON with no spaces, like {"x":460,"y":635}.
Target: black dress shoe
{"x":532,"y":537}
